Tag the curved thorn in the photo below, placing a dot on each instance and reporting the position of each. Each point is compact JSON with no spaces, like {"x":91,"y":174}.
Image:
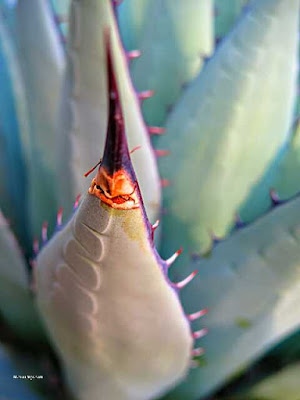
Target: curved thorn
{"x":161,"y":153}
{"x":133,"y":54}
{"x":76,"y":204}
{"x":156,"y":130}
{"x":198,"y":314}
{"x":215,"y":239}
{"x":274,"y":197}
{"x":165,"y":183}
{"x":198,"y":352}
{"x":200,"y":334}
{"x":135,"y":149}
{"x":92,"y":169}
{"x":238,"y":221}
{"x":145,"y":95}
{"x":172,"y":259}
{"x":186,"y":281}
{"x":45,"y":231}
{"x":59,"y":217}
{"x":155,"y":225}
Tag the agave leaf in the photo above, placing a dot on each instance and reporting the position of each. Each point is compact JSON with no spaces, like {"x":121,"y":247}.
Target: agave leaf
{"x":16,"y":303}
{"x":113,"y":316}
{"x":227,"y":13}
{"x":15,"y":388}
{"x":251,"y":286}
{"x":132,"y":17}
{"x":172,"y":51}
{"x":229,"y":125}
{"x":13,"y":132}
{"x":42,"y":60}
{"x":84,"y":107}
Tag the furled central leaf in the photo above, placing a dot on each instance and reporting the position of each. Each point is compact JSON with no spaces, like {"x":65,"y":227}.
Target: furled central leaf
{"x":103,"y":291}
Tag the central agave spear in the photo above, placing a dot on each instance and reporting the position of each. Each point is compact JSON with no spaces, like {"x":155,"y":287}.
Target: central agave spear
{"x":103,"y":291}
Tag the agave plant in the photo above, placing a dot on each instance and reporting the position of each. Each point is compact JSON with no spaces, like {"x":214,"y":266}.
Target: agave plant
{"x":115,"y":116}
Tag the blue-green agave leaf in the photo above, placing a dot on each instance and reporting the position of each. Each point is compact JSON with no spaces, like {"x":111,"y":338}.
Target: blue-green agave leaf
{"x":230,"y":124}
{"x":132,"y":16}
{"x":16,"y":302}
{"x":13,"y":132}
{"x":177,"y":36}
{"x":84,"y":113}
{"x":251,"y":285}
{"x":42,"y":60}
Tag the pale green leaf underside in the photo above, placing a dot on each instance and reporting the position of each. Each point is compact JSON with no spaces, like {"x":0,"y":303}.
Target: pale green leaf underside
{"x":176,"y":37}
{"x":251,"y":285}
{"x":230,"y":123}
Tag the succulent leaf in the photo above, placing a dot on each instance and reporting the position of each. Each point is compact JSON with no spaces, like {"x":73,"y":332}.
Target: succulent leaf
{"x":132,"y":17}
{"x":16,"y":304}
{"x":251,"y":286}
{"x":241,"y":103}
{"x":84,"y":106}
{"x":13,"y":134}
{"x":42,"y":61}
{"x":172,"y":52}
{"x":103,"y":291}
